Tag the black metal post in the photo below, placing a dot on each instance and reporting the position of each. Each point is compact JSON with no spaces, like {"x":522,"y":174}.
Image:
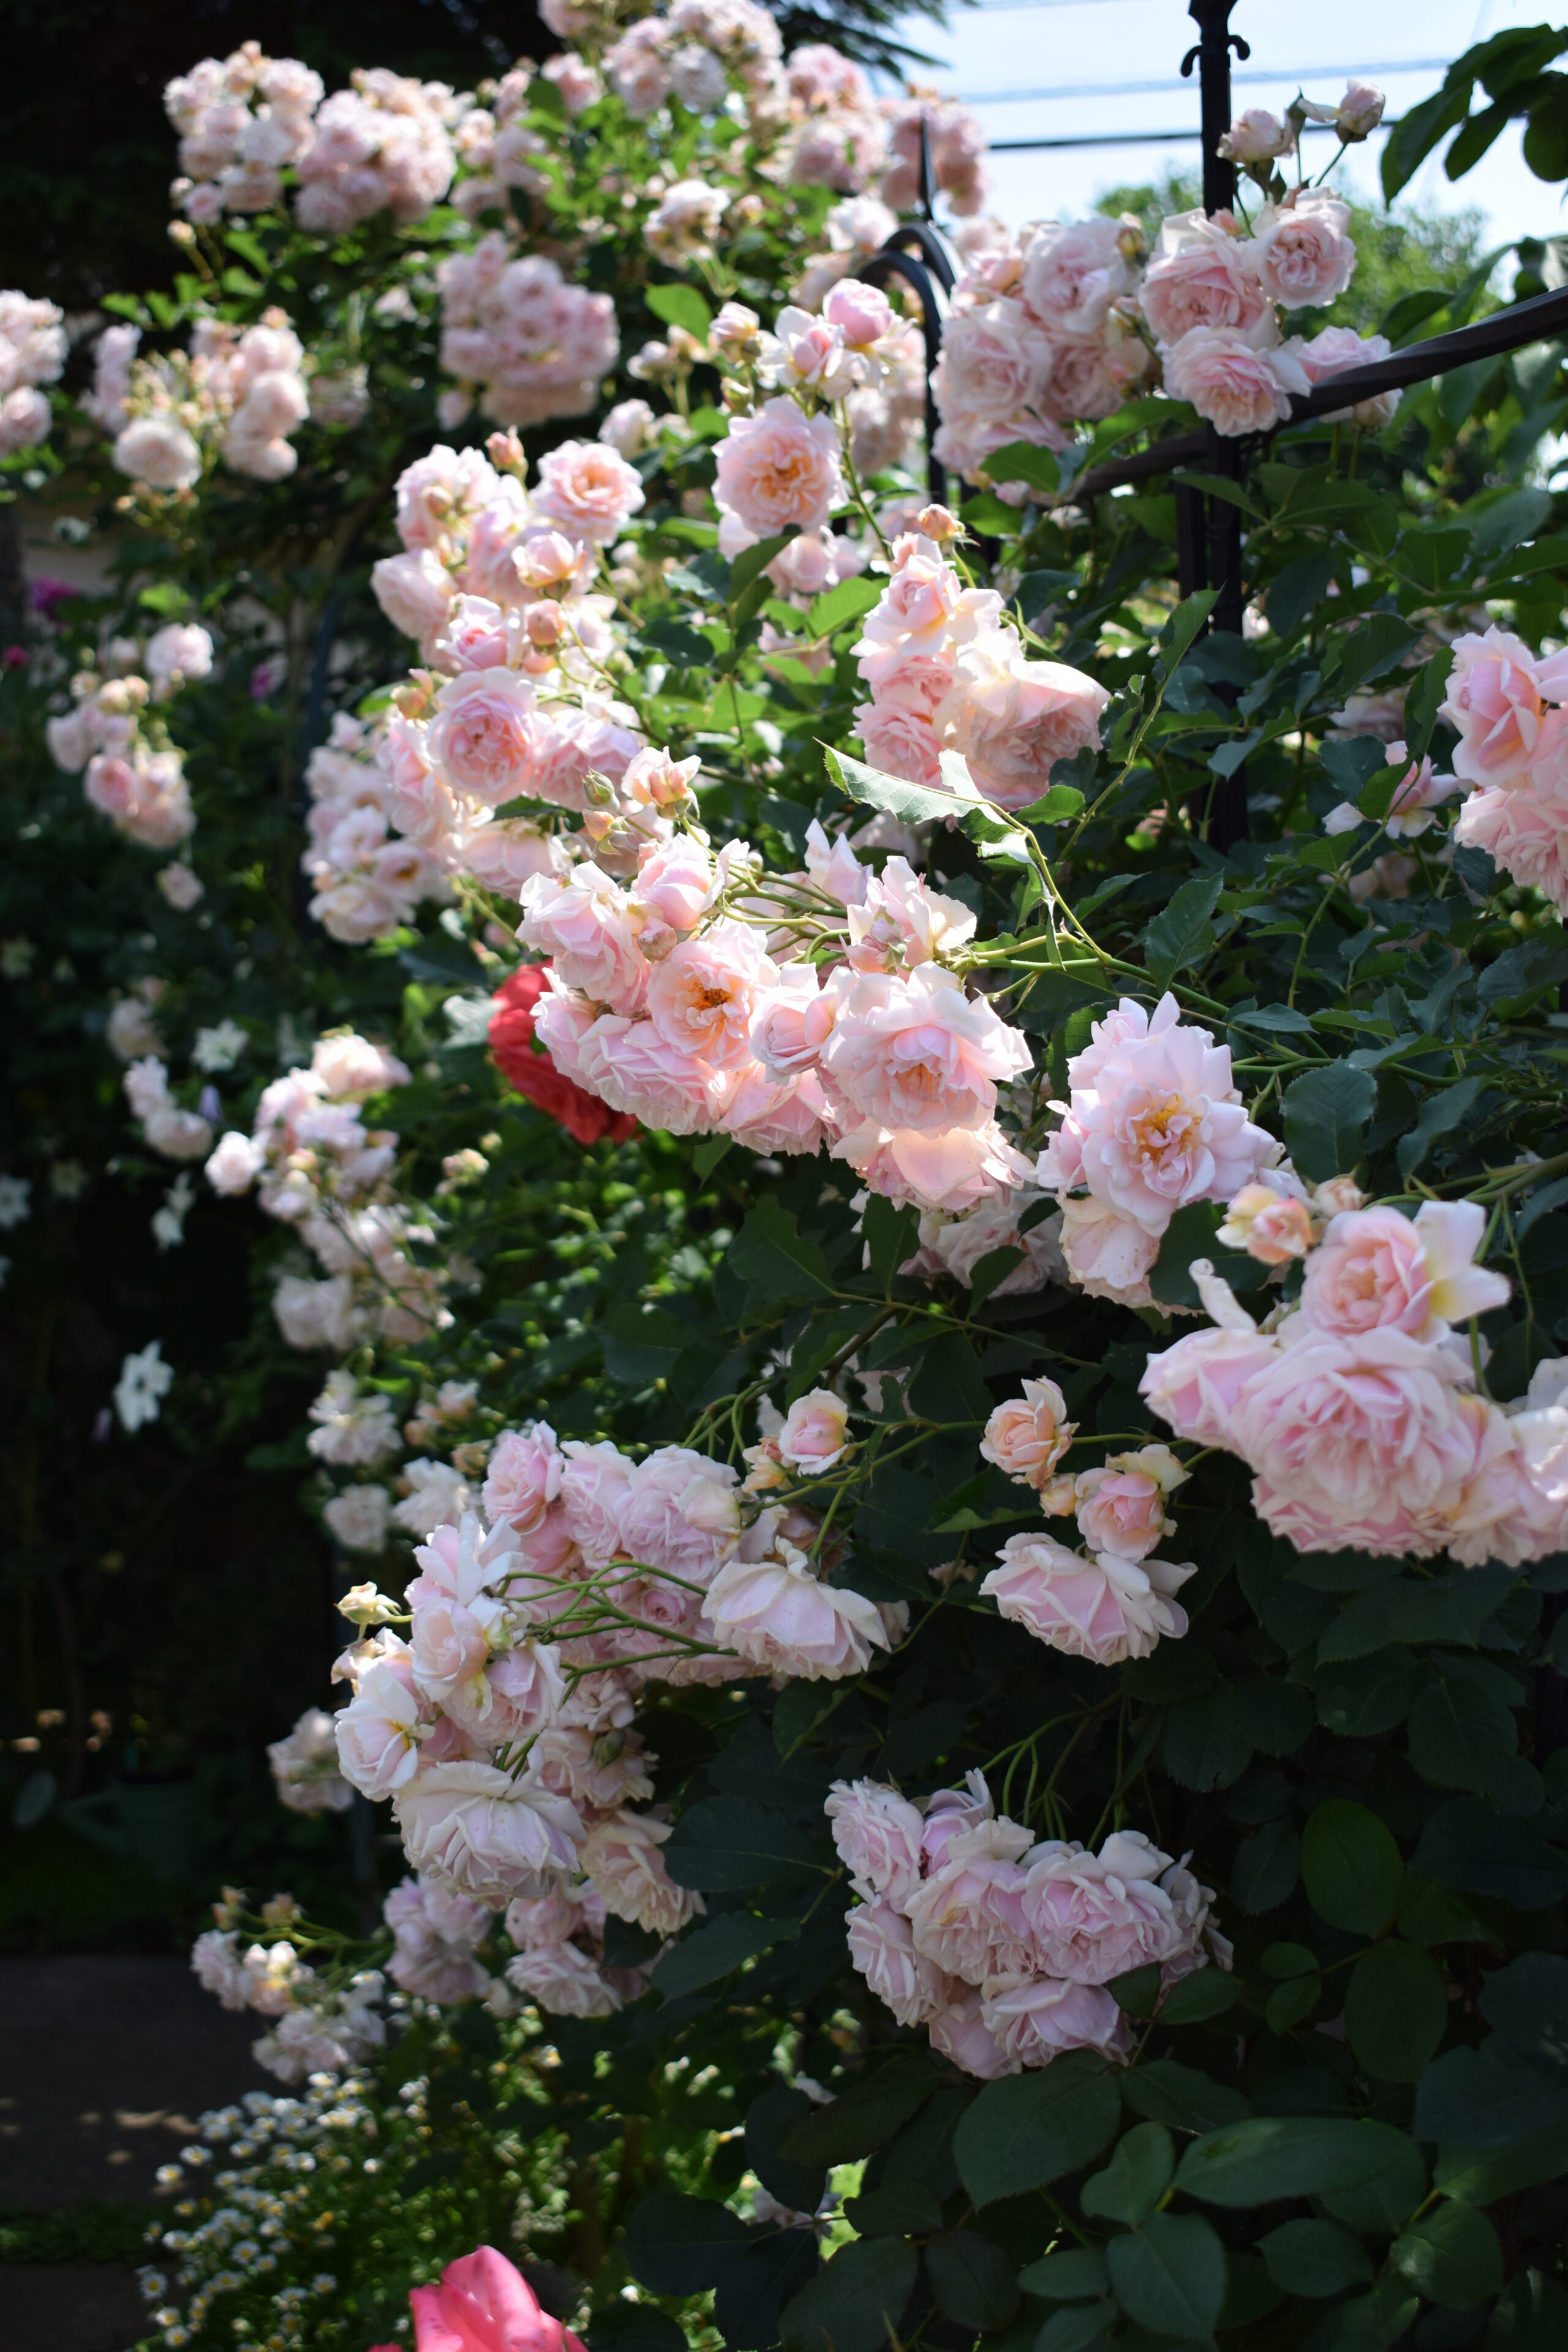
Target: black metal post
{"x":888,"y":262}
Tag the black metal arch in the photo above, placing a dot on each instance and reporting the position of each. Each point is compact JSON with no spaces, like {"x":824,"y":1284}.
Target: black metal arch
{"x":891,"y":263}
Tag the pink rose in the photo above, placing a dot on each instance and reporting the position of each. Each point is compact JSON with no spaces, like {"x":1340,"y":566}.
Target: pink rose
{"x":584,"y":926}
{"x":676,"y":886}
{"x":1195,"y":1384}
{"x":701,"y":997}
{"x":1302,"y":252}
{"x":878,"y":1834}
{"x":1072,"y":272}
{"x":1094,"y":1917}
{"x":861,"y":313}
{"x":1013,"y":720}
{"x":622,"y":1859}
{"x":1376,"y":1268}
{"x":1523,"y":832}
{"x":997,"y":1224}
{"x":564,"y":1982}
{"x":777,"y":1612}
{"x":1095,"y":375}
{"x":1034,"y":2017}
{"x":968,"y":1916}
{"x":1258,"y":137}
{"x":589,"y":489}
{"x":376,"y":1731}
{"x":770,"y":1115}
{"x":1201,"y":277}
{"x":439,"y":490}
{"x":576,"y":80}
{"x":914,"y":1052}
{"x":1271,"y":1226}
{"x":484,"y":1835}
{"x":959,"y":2032}
{"x":816,"y":1432}
{"x":1109,"y":1255}
{"x":1330,"y":352}
{"x":950,"y":1813}
{"x":484,"y":2305}
{"x":779,"y":467}
{"x":678,"y":1511}
{"x":1495,"y":692}
{"x":594,"y":1487}
{"x":1104,"y":1609}
{"x":480,"y":737}
{"x":955,"y":1170}
{"x":1232,"y":384}
{"x":1027,"y":1436}
{"x":111,"y":785}
{"x":1120,"y":1506}
{"x":925,"y":608}
{"x":994,"y":363}
{"x":633,"y":1068}
{"x":882,"y":1947}
{"x":899,"y":741}
{"x":900,"y":923}
{"x":653,"y":780}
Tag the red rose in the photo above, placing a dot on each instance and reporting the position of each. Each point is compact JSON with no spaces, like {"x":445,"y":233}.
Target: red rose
{"x":527,"y":1067}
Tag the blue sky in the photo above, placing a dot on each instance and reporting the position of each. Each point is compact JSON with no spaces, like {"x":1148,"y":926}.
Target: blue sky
{"x":1067,"y":69}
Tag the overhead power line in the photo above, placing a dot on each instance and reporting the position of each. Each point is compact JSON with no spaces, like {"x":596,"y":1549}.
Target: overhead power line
{"x":1155,"y":89}
{"x":1132,"y":139}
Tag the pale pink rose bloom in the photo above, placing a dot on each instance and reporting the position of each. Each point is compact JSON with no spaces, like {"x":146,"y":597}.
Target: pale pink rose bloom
{"x":1357,"y":1427}
{"x":1108,"y":1254}
{"x":774,"y":1117}
{"x":862,"y":313}
{"x":376,"y":1732}
{"x":584,"y":926}
{"x":218,"y":1968}
{"x":588,"y":487}
{"x":954,"y":1170}
{"x":476,"y":636}
{"x":440,"y":490}
{"x":1155,"y":1120}
{"x":900,"y":743}
{"x":996,"y":1224}
{"x":1122,"y":1510}
{"x":1072,"y":272}
{"x":792,"y":1022}
{"x":816,"y":1432}
{"x":1234,"y":385}
{"x":1095,"y":375}
{"x":483,"y":1834}
{"x":350,"y":1066}
{"x":959,"y":2032}
{"x":480,"y":737}
{"x":779,"y":467}
{"x":951,"y":1813}
{"x":878,"y":1834}
{"x":571,"y":1760}
{"x":679,"y":1512}
{"x":1195,"y":1384}
{"x":159,"y":451}
{"x":1013,"y":720}
{"x":1303,"y":253}
{"x":1329,"y":353}
{"x":652,"y":778}
{"x":1272,"y":1226}
{"x":1027,"y":1436}
{"x":882,"y":1947}
{"x":703,"y":995}
{"x":994,"y":363}
{"x":1495,"y":696}
{"x":1516,"y":1507}
{"x":564,"y":1982}
{"x":575,"y":79}
{"x":1201,"y":277}
{"x":235,"y":1165}
{"x":516,"y":1695}
{"x":110,"y":785}
{"x":900,"y":923}
{"x":1375,"y":1267}
{"x":1256,"y":137}
{"x":968,"y":1915}
{"x":1106,"y":1610}
{"x":1033,"y":2018}
{"x":914,"y":1052}
{"x":777,"y":1613}
{"x":1523,"y":832}
{"x":924,"y":608}
{"x":631,"y":1067}
{"x":434,"y":1935}
{"x":676,"y":885}
{"x":561,"y":1912}
{"x":593,"y":1486}
{"x":1420,"y":791}
{"x":622,"y":1859}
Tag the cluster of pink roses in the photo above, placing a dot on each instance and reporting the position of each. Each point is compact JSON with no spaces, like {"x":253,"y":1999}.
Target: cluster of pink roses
{"x":366,"y":883}
{"x":235,"y":396}
{"x":381,"y":144}
{"x":32,"y":352}
{"x":946,"y":672}
{"x":1000,"y":1946}
{"x":1155,"y":1123}
{"x":843,"y":137}
{"x":520,"y":338}
{"x":1357,"y":1408}
{"x":695,"y":52}
{"x":1507,"y":706}
{"x":135,"y":775}
{"x":318,"y":2025}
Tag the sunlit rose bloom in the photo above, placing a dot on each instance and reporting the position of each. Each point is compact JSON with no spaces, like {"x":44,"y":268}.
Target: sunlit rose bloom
{"x":675,"y":887}
{"x":816,"y":1432}
{"x":376,"y":1732}
{"x":159,"y":451}
{"x":679,"y":1512}
{"x":955,"y":1170}
{"x":899,"y":741}
{"x":484,"y":1835}
{"x":772,"y":1116}
{"x":1027,"y":1436}
{"x":593,"y":1488}
{"x":1195,"y":1385}
{"x":584,"y":926}
{"x":968,"y":1915}
{"x":479,"y":737}
{"x":1376,"y":1268}
{"x":218,"y":1970}
{"x":1121,"y":1504}
{"x":622,"y":1859}
{"x":1526,"y":834}
{"x":1072,"y":272}
{"x":1270,"y":1225}
{"x":633,"y":1068}
{"x":701,"y":996}
{"x":1496,"y":694}
{"x":878,"y":1834}
{"x":1034,"y":2019}
{"x":588,"y":487}
{"x":523,"y":1475}
{"x":1258,"y":137}
{"x":1094,"y":375}
{"x":1515,"y":1506}
{"x":564,"y":1982}
{"x":997,"y":1225}
{"x":925,"y":609}
{"x":914,"y":1052}
{"x":993,"y":361}
{"x":1200,"y":276}
{"x":778,"y":467}
{"x":776,"y":1613}
{"x":1105,"y":1609}
{"x":882,"y":1947}
{"x":1013,"y":720}
{"x":1302,"y":252}
{"x":959,"y":2032}
{"x":234,"y":1165}
{"x":1234,"y":385}
{"x":1330,"y":352}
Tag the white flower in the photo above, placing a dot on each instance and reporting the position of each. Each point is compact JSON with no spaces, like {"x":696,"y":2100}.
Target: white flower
{"x":219,"y":1048}
{"x":359,"y":1517}
{"x":16,"y":1201}
{"x":144,"y":1380}
{"x":169,"y":1221}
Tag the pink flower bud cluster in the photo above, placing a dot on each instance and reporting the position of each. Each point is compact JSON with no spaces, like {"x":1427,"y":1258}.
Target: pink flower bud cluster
{"x":1421,"y":789}
{"x":242,"y":122}
{"x":1507,"y":706}
{"x":1154,"y":1122}
{"x":697,"y":52}
{"x":304,"y":1766}
{"x":1357,"y":1409}
{"x":946,"y":672}
{"x":115,"y":732}
{"x":32,"y":353}
{"x":237,"y":396}
{"x":520,"y":338}
{"x":957,"y":144}
{"x":436,"y":1936}
{"x":317,"y":2026}
{"x":1000,"y":1946}
{"x":366,"y":882}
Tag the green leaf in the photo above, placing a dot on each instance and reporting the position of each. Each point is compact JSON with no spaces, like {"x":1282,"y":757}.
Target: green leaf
{"x":1055,"y":806}
{"x":1481,"y":2180}
{"x":1219,"y":486}
{"x":1358,"y":1699}
{"x":1182,"y":627}
{"x":1326,"y":1116}
{"x":1418,"y":129}
{"x":757,"y":2283}
{"x":1396,"y":2007}
{"x":854,"y":2302}
{"x":1374,"y":647}
{"x":728,"y":1845}
{"x":1206,"y":1745}
{"x":680,"y":2245}
{"x":1179,"y":939}
{"x":1169,"y":2276}
{"x":708,"y":1155}
{"x":1440,"y":1115}
{"x":771,"y":2117}
{"x":892,"y":1237}
{"x":1168,"y":2093}
{"x":971,"y":2279}
{"x":1141,"y":2170}
{"x":1076,"y":2274}
{"x":864,"y":2117}
{"x":900,"y":2208}
{"x":1467,"y":1843}
{"x":1450,"y":2255}
{"x":1268,"y":1865}
{"x":835,"y":606}
{"x":1021,"y":461}
{"x":1288,"y":2004}
{"x":1350,"y":1866}
{"x":712,"y":1952}
{"x":1508,"y":985}
{"x":1461,"y":1733}
{"x":748,"y":567}
{"x":1138,"y":1992}
{"x":774,"y":1259}
{"x":1423,"y":701}
{"x":1077,"y":2328}
{"x":1314,"y":2258}
{"x":633,"y":2328}
{"x":1208,"y":1992}
{"x":1487,"y":2098}
{"x":1028,"y":2130}
{"x":914,"y":803}
{"x":680,"y":306}
{"x":1298,"y":590}
{"x":1270,"y":2156}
